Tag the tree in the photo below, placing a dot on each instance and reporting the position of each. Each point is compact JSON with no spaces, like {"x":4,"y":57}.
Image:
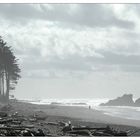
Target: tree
{"x":9,"y":71}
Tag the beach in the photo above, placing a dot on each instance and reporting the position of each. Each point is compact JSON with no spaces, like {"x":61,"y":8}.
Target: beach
{"x":78,"y":116}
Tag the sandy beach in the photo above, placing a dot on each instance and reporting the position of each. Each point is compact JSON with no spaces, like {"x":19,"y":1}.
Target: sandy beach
{"x":79,"y":116}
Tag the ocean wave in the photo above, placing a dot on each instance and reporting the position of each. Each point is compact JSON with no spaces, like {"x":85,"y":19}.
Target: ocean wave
{"x":121,"y":111}
{"x":55,"y":103}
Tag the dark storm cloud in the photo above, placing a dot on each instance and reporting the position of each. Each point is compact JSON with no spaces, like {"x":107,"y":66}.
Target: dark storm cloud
{"x":71,"y":63}
{"x":33,"y":62}
{"x":99,"y":15}
{"x":125,"y":55}
{"x":88,"y":15}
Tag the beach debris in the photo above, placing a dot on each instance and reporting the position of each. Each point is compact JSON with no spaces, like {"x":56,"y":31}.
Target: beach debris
{"x":32,"y":119}
{"x":89,"y":131}
{"x":12,"y":125}
{"x":61,"y":123}
{"x":130,"y":133}
{"x":80,"y":132}
{"x":3,"y":114}
{"x":15,"y":114}
{"x":15,"y":124}
{"x":26,"y":132}
{"x":39,"y":115}
{"x":52,"y":123}
{"x":39,"y":132}
{"x":6,"y":108}
{"x":67,"y":127}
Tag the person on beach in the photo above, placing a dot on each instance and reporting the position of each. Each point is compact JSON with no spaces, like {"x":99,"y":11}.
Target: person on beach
{"x":89,"y":107}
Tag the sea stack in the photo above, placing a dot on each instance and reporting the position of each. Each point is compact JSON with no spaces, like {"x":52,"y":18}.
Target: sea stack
{"x":137,"y":102}
{"x":125,"y":100}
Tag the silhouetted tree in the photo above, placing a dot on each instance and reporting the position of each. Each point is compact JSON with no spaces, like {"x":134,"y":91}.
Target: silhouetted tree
{"x":9,"y":70}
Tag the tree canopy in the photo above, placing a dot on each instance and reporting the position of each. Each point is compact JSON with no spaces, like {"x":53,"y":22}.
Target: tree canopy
{"x":9,"y":70}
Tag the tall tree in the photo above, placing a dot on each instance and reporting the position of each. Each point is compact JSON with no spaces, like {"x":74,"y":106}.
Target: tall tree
{"x":9,"y":70}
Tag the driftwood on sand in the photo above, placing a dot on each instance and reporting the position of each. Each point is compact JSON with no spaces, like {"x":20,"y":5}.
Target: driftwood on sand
{"x":11,"y":125}
{"x":36,"y":124}
{"x":89,"y":131}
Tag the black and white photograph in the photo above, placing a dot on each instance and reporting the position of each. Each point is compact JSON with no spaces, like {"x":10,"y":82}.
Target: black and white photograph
{"x":69,"y":70}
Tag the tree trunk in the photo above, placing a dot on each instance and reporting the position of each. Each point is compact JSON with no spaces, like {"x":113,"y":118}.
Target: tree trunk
{"x":7,"y":86}
{"x":0,"y":84}
{"x":3,"y":84}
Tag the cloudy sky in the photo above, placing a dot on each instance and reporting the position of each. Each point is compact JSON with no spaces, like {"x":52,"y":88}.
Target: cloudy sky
{"x":74,"y":50}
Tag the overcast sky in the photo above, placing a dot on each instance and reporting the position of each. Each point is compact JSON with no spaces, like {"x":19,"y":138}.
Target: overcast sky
{"x":74,"y":50}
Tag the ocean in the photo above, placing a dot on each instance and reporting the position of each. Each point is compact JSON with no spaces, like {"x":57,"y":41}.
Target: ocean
{"x":126,"y":112}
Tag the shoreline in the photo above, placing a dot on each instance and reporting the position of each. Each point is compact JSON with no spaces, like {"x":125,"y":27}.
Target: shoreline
{"x":82,"y":113}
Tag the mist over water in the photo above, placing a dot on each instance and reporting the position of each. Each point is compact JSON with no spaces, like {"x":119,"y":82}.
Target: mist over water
{"x":126,"y":112}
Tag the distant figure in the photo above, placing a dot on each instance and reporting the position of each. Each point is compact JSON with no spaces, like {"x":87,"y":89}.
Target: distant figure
{"x":89,"y":107}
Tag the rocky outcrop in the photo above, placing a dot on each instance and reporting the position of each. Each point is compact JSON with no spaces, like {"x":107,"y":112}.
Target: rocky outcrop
{"x":125,"y":100}
{"x":137,"y":102}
